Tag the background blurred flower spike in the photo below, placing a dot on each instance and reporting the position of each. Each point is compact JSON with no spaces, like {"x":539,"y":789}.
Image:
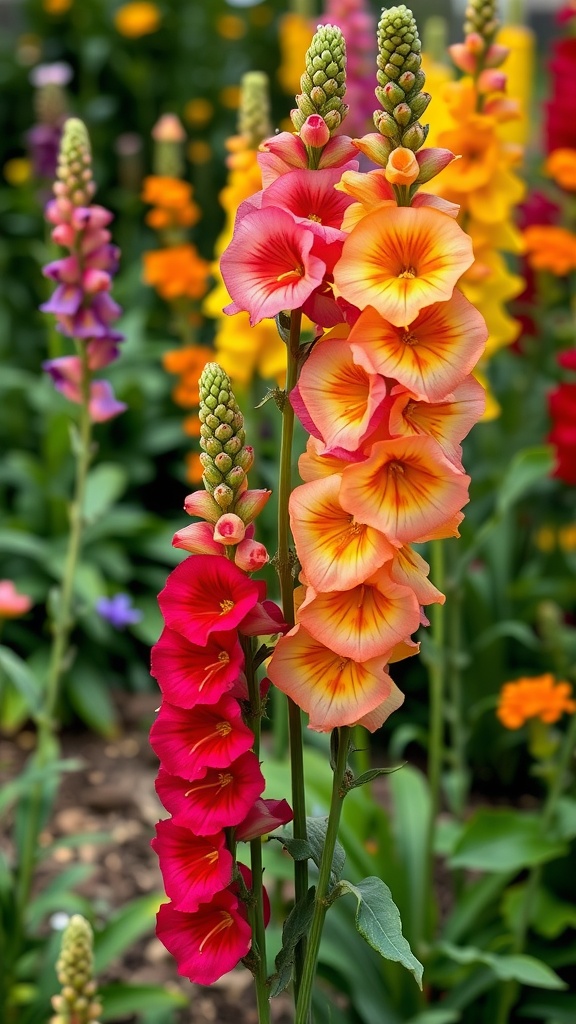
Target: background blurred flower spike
{"x":76,"y":1003}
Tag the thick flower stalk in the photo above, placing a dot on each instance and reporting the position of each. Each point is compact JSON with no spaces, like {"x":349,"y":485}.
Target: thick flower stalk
{"x":483,"y":182}
{"x":77,"y":1002}
{"x":207,"y":731}
{"x":81,"y":303}
{"x":240,"y":351}
{"x":176,"y":270}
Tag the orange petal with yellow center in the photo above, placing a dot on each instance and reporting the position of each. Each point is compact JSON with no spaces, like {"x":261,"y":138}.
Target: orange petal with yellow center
{"x":336,"y":552}
{"x":333,"y":690}
{"x":401,"y":259}
{"x":429,"y":357}
{"x":364,"y":622}
{"x":409,"y":569}
{"x":375,"y":719}
{"x":316,"y":463}
{"x":448,"y":421}
{"x":340,"y":396}
{"x":406,"y":488}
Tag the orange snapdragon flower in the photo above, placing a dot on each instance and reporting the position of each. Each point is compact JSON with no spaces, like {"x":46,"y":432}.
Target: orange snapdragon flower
{"x":137,"y":19}
{"x":550,"y":248}
{"x":537,"y":697}
{"x":176,"y":272}
{"x":561,"y":166}
{"x":172,"y":201}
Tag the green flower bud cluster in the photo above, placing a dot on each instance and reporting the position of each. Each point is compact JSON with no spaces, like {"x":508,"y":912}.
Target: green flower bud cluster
{"x":480,"y":16}
{"x":76,"y":1003}
{"x":74,"y":170}
{"x":254,"y":110}
{"x":323,"y":83}
{"x":224,"y":458}
{"x":400,"y":80}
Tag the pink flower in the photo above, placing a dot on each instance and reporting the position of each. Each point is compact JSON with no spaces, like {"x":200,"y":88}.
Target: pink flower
{"x":311,"y":197}
{"x":207,"y":943}
{"x":12,"y":603}
{"x":262,"y":818}
{"x":222,"y":797}
{"x":212,"y":737}
{"x":250,"y":555}
{"x":286,"y":152}
{"x":229,"y":529}
{"x":198,"y":538}
{"x":206,"y":594}
{"x":268,"y":265}
{"x":194,"y":868}
{"x":190,"y":674}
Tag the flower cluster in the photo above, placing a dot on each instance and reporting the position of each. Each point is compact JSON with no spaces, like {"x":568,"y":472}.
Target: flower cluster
{"x":386,"y":392}
{"x":210,"y":779}
{"x":240,"y":351}
{"x":484,"y":182}
{"x":51,"y":107}
{"x":536,"y":697}
{"x":82,"y":303}
{"x":77,"y":1002}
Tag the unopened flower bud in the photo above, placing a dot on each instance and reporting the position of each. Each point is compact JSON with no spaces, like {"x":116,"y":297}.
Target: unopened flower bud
{"x":198,"y":538}
{"x":250,"y":504}
{"x":75,"y":164}
{"x":402,"y":167}
{"x":169,"y":138}
{"x":400,"y":77}
{"x":229,"y":529}
{"x":415,"y":136}
{"x":315,"y":132}
{"x":202,"y":504}
{"x":495,"y":55}
{"x":250,"y":555}
{"x":491,"y":80}
{"x":75,"y":1003}
{"x":223,"y":495}
{"x":224,"y":458}
{"x":463,"y":58}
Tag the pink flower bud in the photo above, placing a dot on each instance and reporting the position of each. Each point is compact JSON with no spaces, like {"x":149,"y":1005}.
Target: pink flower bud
{"x":168,"y":128}
{"x":315,"y":132}
{"x":229,"y":529}
{"x":491,"y":80}
{"x":94,"y":280}
{"x":250,"y":555}
{"x":495,"y":55}
{"x":250,"y":504}
{"x":474,"y":43}
{"x":64,"y":234}
{"x":463,"y":58}
{"x":198,"y":538}
{"x":431,"y":162}
{"x":501,"y":108}
{"x":202,"y":504}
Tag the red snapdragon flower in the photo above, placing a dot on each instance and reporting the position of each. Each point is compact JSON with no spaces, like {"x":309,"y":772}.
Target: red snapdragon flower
{"x":222,"y":797}
{"x":190,"y":674}
{"x":194,"y":868}
{"x":207,"y":943}
{"x":206,"y":594}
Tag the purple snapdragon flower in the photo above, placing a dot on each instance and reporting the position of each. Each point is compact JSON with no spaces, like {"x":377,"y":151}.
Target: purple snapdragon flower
{"x":118,"y":611}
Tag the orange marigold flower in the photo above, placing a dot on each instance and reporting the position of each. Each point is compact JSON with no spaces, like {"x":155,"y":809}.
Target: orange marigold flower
{"x":56,"y":6}
{"x":550,"y":248}
{"x":537,"y":697}
{"x":189,"y":360}
{"x":176,"y":272}
{"x":172,"y":199}
{"x":561,"y":166}
{"x":137,"y":19}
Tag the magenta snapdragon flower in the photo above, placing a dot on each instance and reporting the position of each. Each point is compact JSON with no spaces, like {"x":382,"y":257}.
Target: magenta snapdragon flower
{"x":81,"y":302}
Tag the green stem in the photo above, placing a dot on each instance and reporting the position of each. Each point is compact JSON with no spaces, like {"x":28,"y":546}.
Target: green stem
{"x":321,"y":902}
{"x":436,"y":673}
{"x":457,"y":736}
{"x":284,"y":569}
{"x":61,"y":632}
{"x":509,"y":989}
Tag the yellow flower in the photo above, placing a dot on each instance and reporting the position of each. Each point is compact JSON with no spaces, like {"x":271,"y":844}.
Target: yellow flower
{"x":242,"y":351}
{"x":561,"y":166}
{"x":295,"y":36}
{"x":137,"y":19}
{"x":56,"y":6}
{"x":519,"y":68}
{"x":536,"y":697}
{"x":230,"y":26}
{"x":18,"y":170}
{"x":230,"y":96}
{"x":198,"y":112}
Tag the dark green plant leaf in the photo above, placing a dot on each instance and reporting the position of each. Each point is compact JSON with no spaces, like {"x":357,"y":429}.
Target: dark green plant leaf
{"x":527,"y":468}
{"x":296,"y":925}
{"x":549,"y":916}
{"x":313,"y":847}
{"x":22,"y":678}
{"x":436,"y":1017}
{"x":118,"y":1000}
{"x":126,"y":927}
{"x":378,"y":921}
{"x":507,"y":967}
{"x":550,"y":1007}
{"x":372,"y":774}
{"x":106,"y":483}
{"x":91,"y":700}
{"x":410,"y":823}
{"x":495,"y":840}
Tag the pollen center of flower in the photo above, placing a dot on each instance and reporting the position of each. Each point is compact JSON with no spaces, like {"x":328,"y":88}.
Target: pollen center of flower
{"x":408,"y":272}
{"x":226,"y":606}
{"x":397,"y":468}
{"x":315,"y":217}
{"x":355,"y":527}
{"x":226,"y":921}
{"x":224,"y":657}
{"x":221,"y":729}
{"x":297,"y":272}
{"x":224,"y":779}
{"x":408,"y":338}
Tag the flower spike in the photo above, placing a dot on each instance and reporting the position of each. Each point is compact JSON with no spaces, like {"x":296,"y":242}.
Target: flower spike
{"x":76,"y":1003}
{"x":254,"y":110}
{"x":400,"y":80}
{"x":323,"y":83}
{"x":224,"y":458}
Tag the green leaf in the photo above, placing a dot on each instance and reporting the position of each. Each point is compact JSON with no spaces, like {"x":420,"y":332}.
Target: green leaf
{"x":105,"y":484}
{"x":16,"y":542}
{"x":373,"y":773}
{"x":22,"y":678}
{"x":58,"y":895}
{"x":508,"y":628}
{"x":91,"y":700}
{"x":31,"y":776}
{"x":527,"y":468}
{"x":119,"y":999}
{"x":558,"y":1008}
{"x":513,"y":967}
{"x":495,"y":840}
{"x":313,"y":847}
{"x":296,"y":925}
{"x":549,"y":916}
{"x":378,"y":922}
{"x":126,"y":927}
{"x":566,"y":817}
{"x":411,"y":800}
{"x":435,"y":1017}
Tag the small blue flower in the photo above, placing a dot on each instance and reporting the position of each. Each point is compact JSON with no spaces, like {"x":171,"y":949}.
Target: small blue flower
{"x":118,"y":611}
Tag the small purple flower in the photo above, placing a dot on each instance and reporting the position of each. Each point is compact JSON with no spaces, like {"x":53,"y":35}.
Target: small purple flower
{"x":118,"y":611}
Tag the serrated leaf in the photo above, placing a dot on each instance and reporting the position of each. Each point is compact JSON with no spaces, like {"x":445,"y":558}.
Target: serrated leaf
{"x":527,"y":468}
{"x":126,"y":927}
{"x":378,"y":922}
{"x":494,"y":840}
{"x":296,"y":925}
{"x":119,"y":999}
{"x":507,"y":967}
